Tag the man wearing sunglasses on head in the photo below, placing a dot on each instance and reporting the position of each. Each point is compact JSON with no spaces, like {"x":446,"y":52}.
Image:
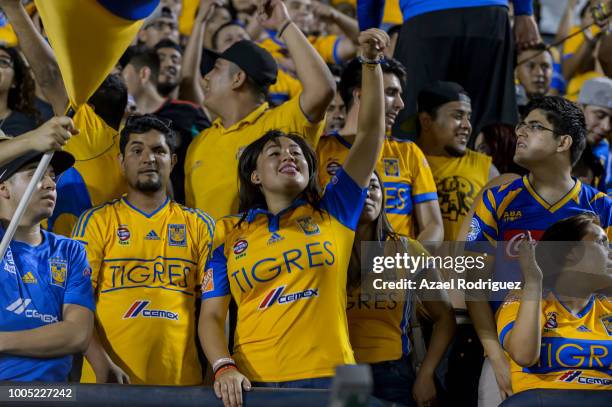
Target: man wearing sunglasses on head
{"x":550,"y":139}
{"x":161,"y":25}
{"x":147,"y":255}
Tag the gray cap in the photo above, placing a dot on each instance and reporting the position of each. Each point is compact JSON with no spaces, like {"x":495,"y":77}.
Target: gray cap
{"x":597,"y":92}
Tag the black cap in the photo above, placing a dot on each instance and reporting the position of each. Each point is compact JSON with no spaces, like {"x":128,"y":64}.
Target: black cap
{"x":252,"y":59}
{"x":438,"y":93}
{"x":60,"y":162}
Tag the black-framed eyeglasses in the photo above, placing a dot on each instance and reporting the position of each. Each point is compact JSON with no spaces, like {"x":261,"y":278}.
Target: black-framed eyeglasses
{"x":532,"y":127}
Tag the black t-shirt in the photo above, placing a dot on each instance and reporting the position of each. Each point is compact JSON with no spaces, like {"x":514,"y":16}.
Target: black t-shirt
{"x":18,"y":123}
{"x":188,"y":120}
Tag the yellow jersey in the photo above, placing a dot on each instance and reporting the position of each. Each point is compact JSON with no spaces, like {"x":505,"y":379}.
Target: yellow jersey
{"x":211,"y":165}
{"x":287,"y":274}
{"x":576,"y":350}
{"x":96,"y":176}
{"x":379,"y":320}
{"x":403,"y":169}
{"x":325,"y":45}
{"x":146,"y":273}
{"x":458,"y":180}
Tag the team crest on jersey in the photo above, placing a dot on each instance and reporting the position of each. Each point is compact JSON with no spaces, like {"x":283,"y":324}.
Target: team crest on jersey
{"x":551,"y":321}
{"x":123,"y":235}
{"x":208,"y":283}
{"x":308,"y":226}
{"x":59,"y":270}
{"x":607,"y":324}
{"x":333,"y":167}
{"x":275,"y":238}
{"x":392,"y":167}
{"x":177,"y":235}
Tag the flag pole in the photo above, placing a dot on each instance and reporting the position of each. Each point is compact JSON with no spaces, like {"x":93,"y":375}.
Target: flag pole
{"x":27,"y":197}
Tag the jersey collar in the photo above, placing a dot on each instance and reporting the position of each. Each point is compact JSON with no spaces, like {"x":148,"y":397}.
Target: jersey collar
{"x":583,"y":312}
{"x":247,"y":120}
{"x":273,"y":220}
{"x":572,"y":194}
{"x":146,"y":215}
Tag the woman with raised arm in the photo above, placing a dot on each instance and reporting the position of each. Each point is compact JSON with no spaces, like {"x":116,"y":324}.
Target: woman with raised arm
{"x":284,"y":258}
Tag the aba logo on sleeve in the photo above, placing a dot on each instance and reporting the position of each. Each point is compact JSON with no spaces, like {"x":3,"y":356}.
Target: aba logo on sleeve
{"x":208,"y":282}
{"x":177,"y":235}
{"x":59,"y":271}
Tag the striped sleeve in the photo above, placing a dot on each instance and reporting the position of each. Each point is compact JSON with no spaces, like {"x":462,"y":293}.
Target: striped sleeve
{"x":422,"y":180}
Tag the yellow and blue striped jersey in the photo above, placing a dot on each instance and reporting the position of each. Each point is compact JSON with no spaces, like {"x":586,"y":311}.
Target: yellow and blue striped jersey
{"x":146,"y":273}
{"x":505,"y":213}
{"x":287,"y":273}
{"x":285,"y":88}
{"x":403,"y":169}
{"x":576,"y":350}
{"x":379,"y":320}
{"x":458,"y":180}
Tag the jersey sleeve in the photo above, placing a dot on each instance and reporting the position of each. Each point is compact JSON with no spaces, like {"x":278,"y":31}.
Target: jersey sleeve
{"x":78,"y":287}
{"x":423,"y":184}
{"x":343,"y":199}
{"x":206,"y":228}
{"x":483,"y":234}
{"x":215,"y":282}
{"x":506,"y":315}
{"x":602,"y":204}
{"x":327,"y":47}
{"x":89,"y":233}
{"x":290,"y":118}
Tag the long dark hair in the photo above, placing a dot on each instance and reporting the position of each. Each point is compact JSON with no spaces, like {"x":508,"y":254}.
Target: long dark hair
{"x":383,"y":231}
{"x":250,"y":195}
{"x":22,"y":96}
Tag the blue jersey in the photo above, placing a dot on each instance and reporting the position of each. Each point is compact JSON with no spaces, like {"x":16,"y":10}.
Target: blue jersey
{"x":35,"y":283}
{"x":601,"y":151}
{"x":505,"y":213}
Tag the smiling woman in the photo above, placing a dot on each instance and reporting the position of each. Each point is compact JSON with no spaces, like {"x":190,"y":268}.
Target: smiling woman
{"x":284,"y":258}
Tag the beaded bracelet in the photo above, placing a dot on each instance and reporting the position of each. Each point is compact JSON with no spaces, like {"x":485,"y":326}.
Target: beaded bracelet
{"x":221,"y":362}
{"x":379,"y":60}
{"x":223,"y":369}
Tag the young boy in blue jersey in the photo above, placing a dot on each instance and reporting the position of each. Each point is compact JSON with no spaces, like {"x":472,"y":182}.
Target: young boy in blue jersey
{"x":550,"y":140}
{"x":46,"y":301}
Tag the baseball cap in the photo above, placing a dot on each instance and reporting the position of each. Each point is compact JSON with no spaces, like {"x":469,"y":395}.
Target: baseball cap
{"x":438,"y":93}
{"x":60,"y":162}
{"x":252,"y":59}
{"x":160,"y":12}
{"x":596,"y":92}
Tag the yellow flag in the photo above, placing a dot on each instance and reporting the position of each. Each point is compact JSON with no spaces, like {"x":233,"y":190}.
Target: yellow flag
{"x":89,"y":37}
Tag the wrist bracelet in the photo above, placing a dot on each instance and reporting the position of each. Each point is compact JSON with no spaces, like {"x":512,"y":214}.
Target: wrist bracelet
{"x":223,"y":361}
{"x":223,"y":369}
{"x":283,"y":28}
{"x":377,"y":61}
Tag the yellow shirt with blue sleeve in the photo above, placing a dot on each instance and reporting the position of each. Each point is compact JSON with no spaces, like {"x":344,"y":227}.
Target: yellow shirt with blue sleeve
{"x":325,"y":45}
{"x":146,"y":272}
{"x":211,"y":165}
{"x":576,"y":349}
{"x":458,"y":181}
{"x":403,"y":169}
{"x":287,"y":274}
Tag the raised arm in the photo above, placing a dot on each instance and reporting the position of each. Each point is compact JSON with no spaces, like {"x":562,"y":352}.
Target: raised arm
{"x":349,"y":26}
{"x":39,"y":54}
{"x":69,"y":336}
{"x":363,"y":155}
{"x":317,"y":81}
{"x":190,"y":84}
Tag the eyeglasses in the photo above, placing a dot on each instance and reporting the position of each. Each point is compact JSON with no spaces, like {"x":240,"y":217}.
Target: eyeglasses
{"x":159,"y":25}
{"x":532,"y":127}
{"x":6,"y":63}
